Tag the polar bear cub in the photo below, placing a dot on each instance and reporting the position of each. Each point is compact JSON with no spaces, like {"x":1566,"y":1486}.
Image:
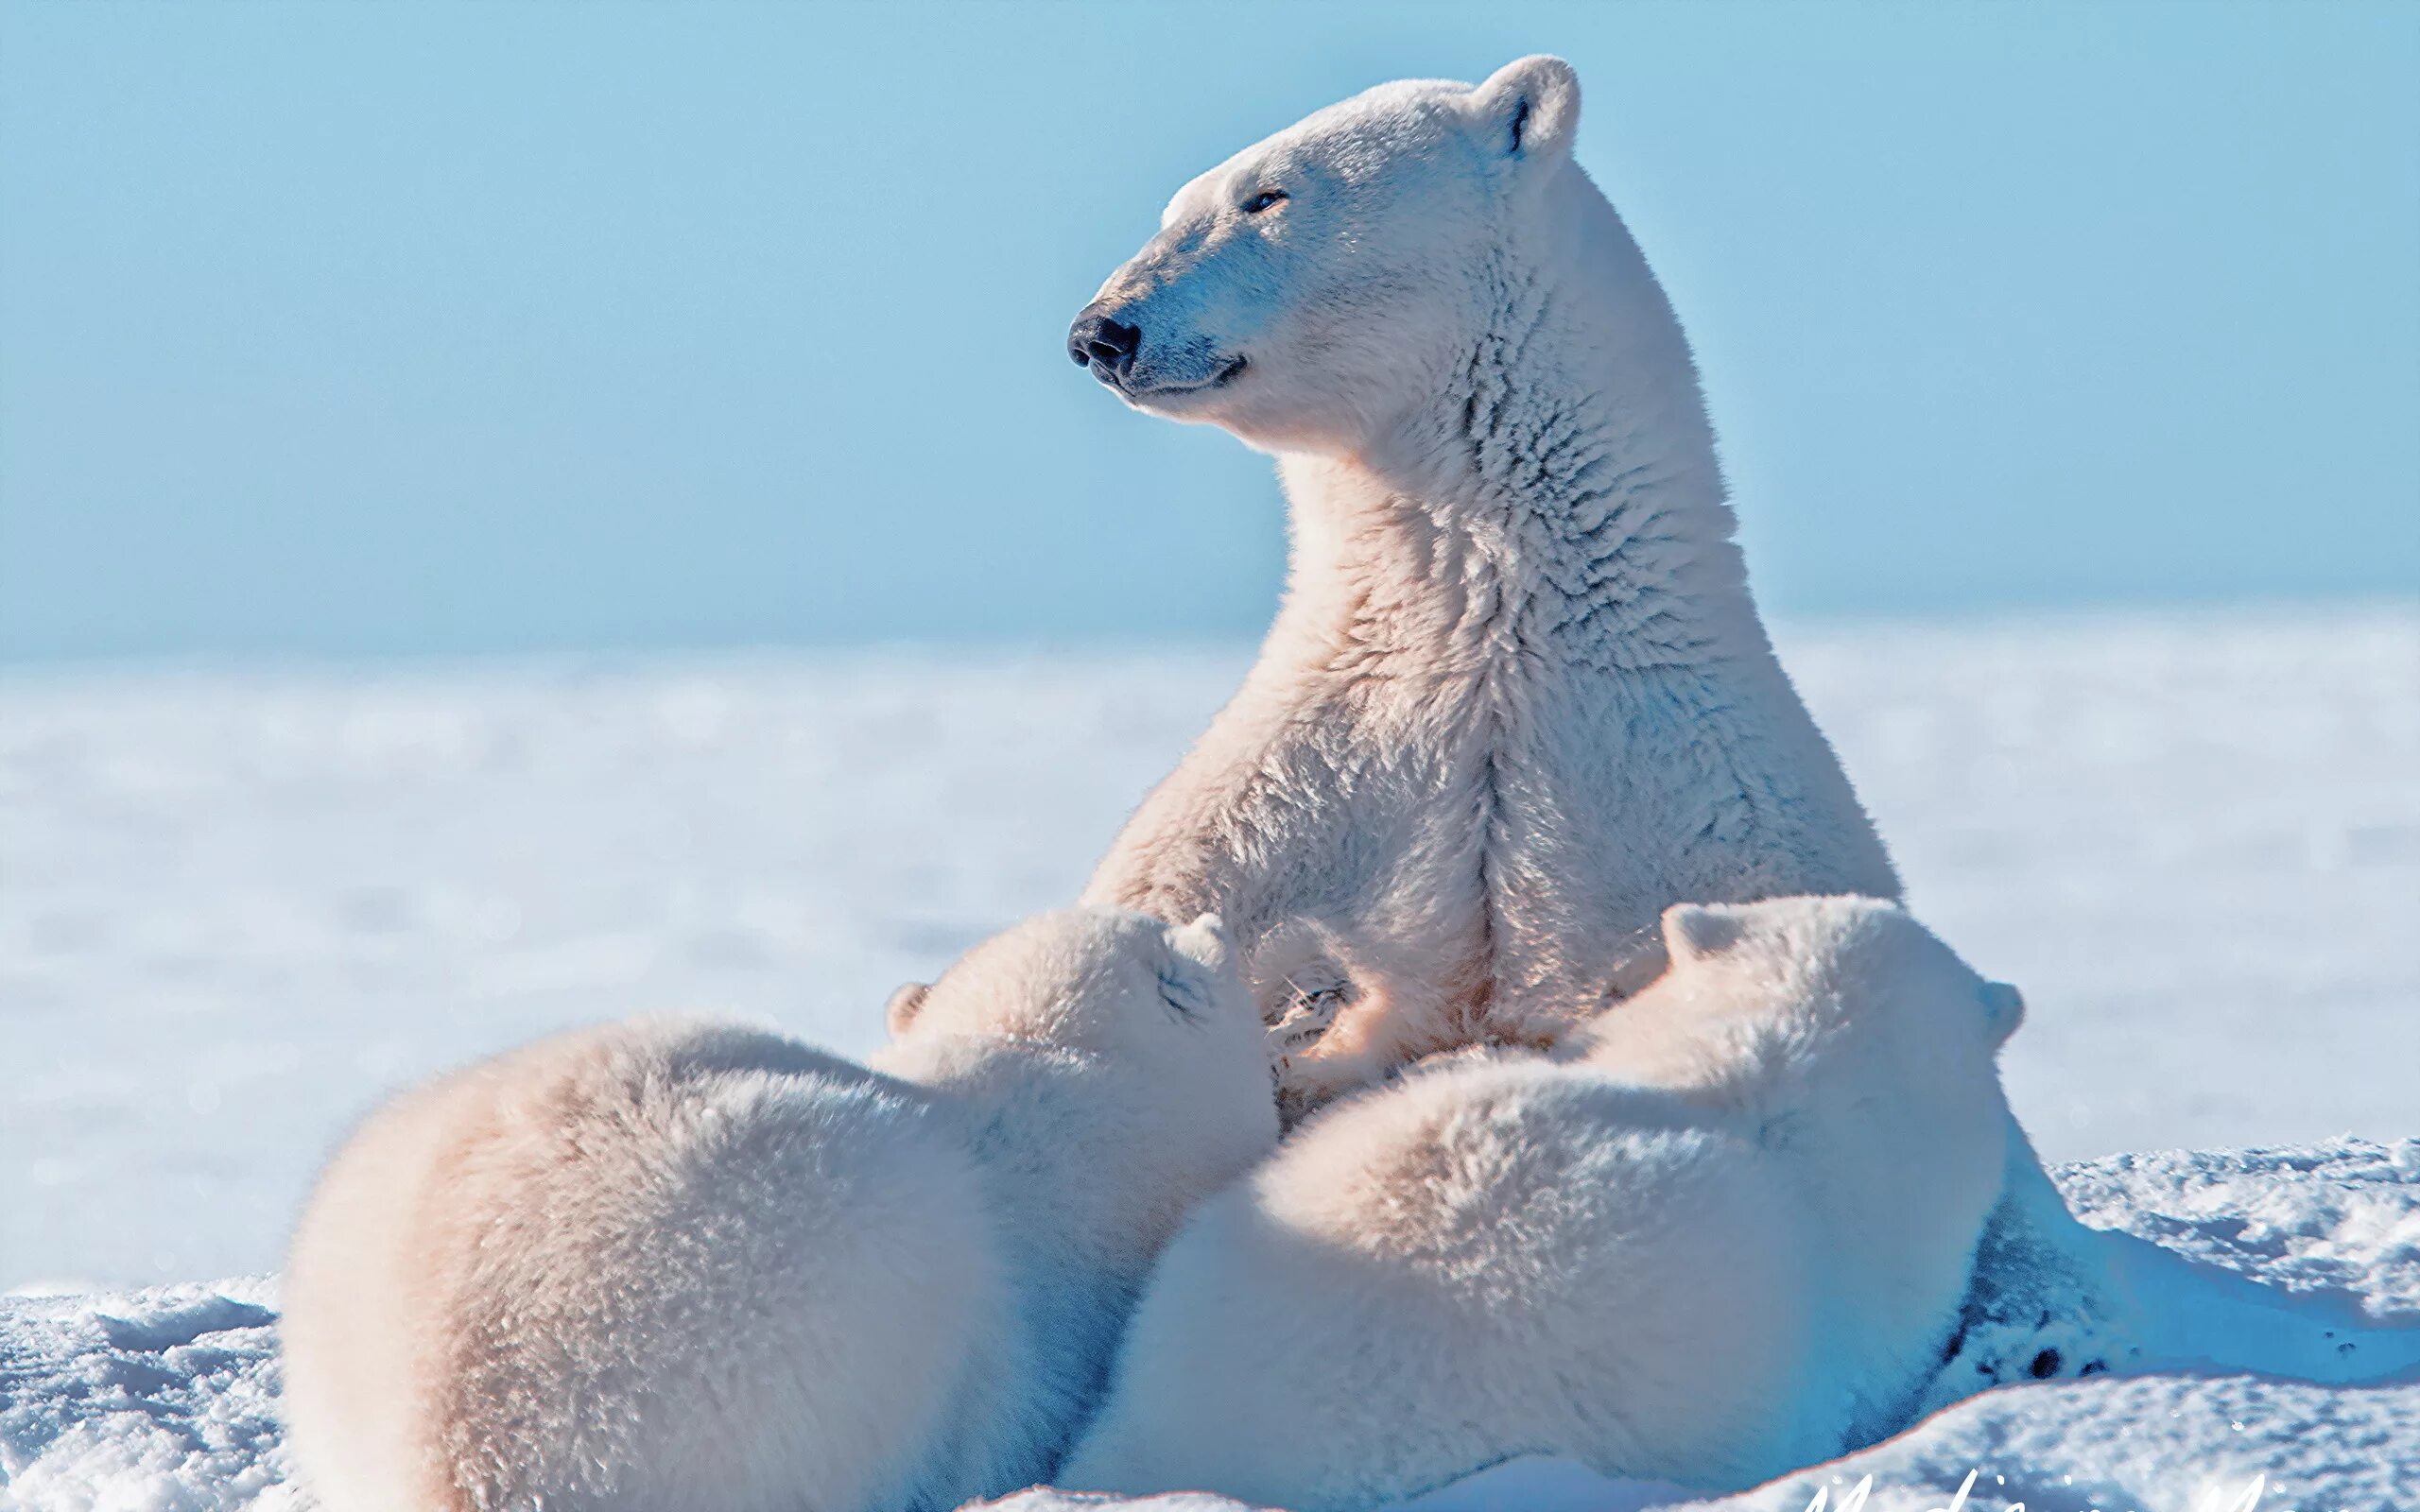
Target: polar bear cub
{"x":1724,"y":1237}
{"x":664,"y":1263}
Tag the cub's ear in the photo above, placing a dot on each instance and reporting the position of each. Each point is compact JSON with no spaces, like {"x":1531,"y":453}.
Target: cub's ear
{"x":1696,"y":930}
{"x":1196,"y":963}
{"x":1203,"y":941}
{"x":2004,"y":1005}
{"x":1530,"y":109}
{"x":900,"y":1011}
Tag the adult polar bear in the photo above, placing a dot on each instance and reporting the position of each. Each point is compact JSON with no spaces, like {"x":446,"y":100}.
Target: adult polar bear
{"x":1518,"y":699}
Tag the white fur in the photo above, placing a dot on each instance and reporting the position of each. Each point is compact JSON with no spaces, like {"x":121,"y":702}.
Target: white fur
{"x":1727,"y":1240}
{"x":1518,"y":699}
{"x":662,"y":1264}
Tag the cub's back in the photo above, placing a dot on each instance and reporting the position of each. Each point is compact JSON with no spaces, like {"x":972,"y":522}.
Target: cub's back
{"x":1482,"y":1261}
{"x":630,"y":1267}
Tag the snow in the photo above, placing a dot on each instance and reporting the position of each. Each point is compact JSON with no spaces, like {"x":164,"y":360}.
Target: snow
{"x":163,"y":1400}
{"x":239,"y":905}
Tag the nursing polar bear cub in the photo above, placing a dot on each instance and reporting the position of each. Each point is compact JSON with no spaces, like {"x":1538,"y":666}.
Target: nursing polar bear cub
{"x":661,"y":1265}
{"x":1729,"y":1242}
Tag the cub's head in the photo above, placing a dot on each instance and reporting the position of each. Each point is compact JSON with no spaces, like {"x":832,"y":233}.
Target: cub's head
{"x":1102,"y":981}
{"x":1845,"y":1030}
{"x":1161,"y":1001}
{"x":1312,"y":288}
{"x":1177,"y":1097}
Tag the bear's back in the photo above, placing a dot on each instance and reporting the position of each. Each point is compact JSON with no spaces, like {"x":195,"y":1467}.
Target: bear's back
{"x":1482,"y":1261}
{"x":628,"y":1264}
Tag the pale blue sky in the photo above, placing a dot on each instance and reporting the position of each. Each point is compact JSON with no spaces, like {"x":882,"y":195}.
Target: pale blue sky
{"x":329,"y":330}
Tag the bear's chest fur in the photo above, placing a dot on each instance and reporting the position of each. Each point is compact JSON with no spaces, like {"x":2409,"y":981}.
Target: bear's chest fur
{"x":1432,"y":847}
{"x":1506,"y":804}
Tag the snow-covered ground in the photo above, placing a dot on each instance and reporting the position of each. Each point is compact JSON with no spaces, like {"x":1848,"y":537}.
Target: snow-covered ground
{"x":236,"y":906}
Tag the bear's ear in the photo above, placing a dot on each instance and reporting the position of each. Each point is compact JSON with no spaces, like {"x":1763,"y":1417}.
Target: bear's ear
{"x":1198,"y":960}
{"x":900,"y":1011}
{"x":1530,"y":109}
{"x":1203,"y":942}
{"x":1696,"y":930}
{"x":2004,"y":1005}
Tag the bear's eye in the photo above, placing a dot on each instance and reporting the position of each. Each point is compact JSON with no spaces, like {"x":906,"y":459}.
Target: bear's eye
{"x":1182,"y":996}
{"x":1263,"y":201}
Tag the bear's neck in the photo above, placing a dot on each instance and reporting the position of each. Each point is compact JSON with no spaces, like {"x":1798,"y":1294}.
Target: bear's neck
{"x":1064,"y":1193}
{"x":1043,"y":1122}
{"x":1041,"y":1128}
{"x":1559,"y":497}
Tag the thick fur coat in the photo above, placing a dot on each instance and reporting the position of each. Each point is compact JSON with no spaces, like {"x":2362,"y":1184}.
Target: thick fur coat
{"x":1700,"y":1252}
{"x":665,"y":1264}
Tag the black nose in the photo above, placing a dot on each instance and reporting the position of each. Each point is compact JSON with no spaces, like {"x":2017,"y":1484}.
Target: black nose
{"x":1096,"y":339}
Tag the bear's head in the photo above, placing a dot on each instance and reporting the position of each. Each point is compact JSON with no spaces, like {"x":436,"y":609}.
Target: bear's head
{"x":1847,"y":1037}
{"x":1163,"y":1005}
{"x":1313,"y":289}
{"x":1095,"y":980}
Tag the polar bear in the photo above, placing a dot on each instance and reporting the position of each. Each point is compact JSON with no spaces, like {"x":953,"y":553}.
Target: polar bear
{"x":1725,"y":1238}
{"x":665,"y":1264}
{"x":1518,"y":699}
